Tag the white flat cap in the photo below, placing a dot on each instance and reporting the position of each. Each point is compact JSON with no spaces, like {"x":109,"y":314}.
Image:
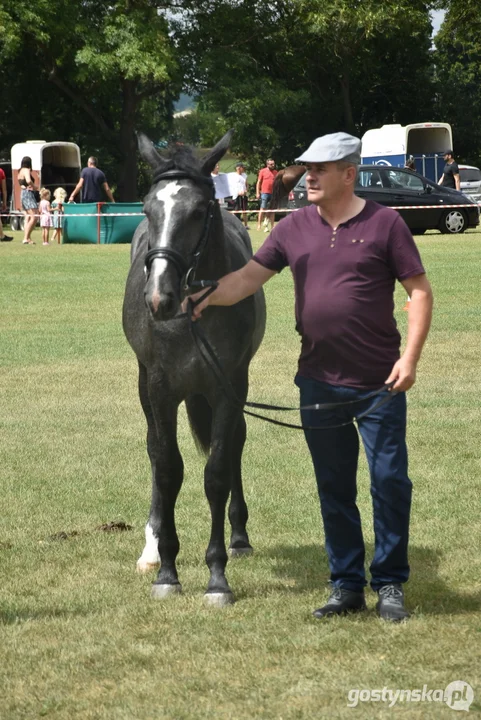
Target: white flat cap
{"x":333,"y":147}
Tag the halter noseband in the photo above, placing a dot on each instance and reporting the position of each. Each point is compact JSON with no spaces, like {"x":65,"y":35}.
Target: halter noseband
{"x":172,"y":255}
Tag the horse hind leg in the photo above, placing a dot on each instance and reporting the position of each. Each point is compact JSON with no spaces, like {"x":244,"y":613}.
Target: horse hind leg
{"x":199,"y":413}
{"x":238,"y":513}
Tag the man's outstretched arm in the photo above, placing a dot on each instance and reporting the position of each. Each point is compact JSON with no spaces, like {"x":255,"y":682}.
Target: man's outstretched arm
{"x":233,"y":287}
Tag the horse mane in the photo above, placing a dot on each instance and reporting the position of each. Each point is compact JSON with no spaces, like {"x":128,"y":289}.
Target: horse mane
{"x":181,"y":157}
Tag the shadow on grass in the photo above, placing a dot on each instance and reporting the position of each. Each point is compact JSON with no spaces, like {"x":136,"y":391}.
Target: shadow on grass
{"x":307,"y":566}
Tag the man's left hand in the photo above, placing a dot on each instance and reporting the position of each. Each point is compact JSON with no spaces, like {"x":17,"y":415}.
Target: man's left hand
{"x":403,"y":374}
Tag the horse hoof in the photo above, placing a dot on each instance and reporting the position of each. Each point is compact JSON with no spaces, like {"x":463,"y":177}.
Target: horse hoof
{"x":239,"y":552}
{"x":159,"y":592}
{"x":219,"y":599}
{"x":145,"y":567}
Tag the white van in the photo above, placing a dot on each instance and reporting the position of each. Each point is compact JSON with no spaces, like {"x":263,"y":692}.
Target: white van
{"x":470,"y":179}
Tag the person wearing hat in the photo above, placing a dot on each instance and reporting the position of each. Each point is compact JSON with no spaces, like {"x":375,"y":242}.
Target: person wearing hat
{"x":241,"y":189}
{"x":345,"y":254}
{"x":450,"y":176}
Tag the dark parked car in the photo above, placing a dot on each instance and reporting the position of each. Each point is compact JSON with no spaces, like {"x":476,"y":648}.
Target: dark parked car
{"x":399,"y":188}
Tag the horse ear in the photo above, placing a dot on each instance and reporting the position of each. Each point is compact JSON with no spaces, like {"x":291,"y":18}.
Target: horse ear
{"x":210,"y":160}
{"x":148,"y":151}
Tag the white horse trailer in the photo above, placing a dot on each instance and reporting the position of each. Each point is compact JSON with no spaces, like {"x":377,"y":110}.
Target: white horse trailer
{"x":54,"y":164}
{"x":393,"y":144}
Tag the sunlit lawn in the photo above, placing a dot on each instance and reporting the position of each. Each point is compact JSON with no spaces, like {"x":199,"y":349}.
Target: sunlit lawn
{"x":80,"y":636}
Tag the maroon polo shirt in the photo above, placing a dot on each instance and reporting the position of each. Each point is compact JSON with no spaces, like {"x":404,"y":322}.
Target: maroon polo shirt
{"x":344,"y":284}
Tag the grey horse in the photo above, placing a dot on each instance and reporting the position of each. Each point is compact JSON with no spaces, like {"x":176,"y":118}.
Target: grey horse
{"x":185,"y":233}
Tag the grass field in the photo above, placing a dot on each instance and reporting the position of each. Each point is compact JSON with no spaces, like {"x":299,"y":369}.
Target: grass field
{"x":80,"y":637}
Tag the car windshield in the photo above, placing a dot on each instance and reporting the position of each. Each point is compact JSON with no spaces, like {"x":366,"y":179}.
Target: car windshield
{"x":470,"y":175}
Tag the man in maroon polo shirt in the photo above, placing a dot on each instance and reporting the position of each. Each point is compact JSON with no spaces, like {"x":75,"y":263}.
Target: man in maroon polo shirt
{"x":346,"y":254}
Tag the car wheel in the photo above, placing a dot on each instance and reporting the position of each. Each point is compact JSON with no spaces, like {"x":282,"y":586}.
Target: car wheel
{"x":14,"y":222}
{"x":21,"y":223}
{"x":453,"y":222}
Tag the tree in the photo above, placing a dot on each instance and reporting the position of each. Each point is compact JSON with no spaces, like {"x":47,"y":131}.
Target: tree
{"x":283,"y":72}
{"x":458,"y":71}
{"x":109,"y":68}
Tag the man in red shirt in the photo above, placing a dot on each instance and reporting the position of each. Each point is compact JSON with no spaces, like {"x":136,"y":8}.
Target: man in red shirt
{"x":3,"y":186}
{"x":265,"y":181}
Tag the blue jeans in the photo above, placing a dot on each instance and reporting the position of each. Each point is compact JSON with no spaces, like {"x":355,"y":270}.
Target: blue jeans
{"x":265,"y":200}
{"x":335,"y":456}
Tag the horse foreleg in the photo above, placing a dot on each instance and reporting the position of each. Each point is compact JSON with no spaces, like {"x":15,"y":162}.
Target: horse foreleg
{"x":150,"y":558}
{"x":162,"y":543}
{"x":218,"y":482}
{"x":238,"y":513}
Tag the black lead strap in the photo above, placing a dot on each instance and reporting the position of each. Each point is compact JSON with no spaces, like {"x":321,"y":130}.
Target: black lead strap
{"x":207,"y":352}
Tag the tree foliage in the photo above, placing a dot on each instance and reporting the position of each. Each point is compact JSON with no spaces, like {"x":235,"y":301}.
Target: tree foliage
{"x":95,"y":70}
{"x":279,"y":71}
{"x":458,"y":70}
{"x":282,"y":72}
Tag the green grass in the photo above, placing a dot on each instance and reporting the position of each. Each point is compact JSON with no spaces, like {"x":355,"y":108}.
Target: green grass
{"x":80,"y":636}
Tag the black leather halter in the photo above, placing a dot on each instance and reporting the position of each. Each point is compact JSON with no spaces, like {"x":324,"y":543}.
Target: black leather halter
{"x":184,"y":269}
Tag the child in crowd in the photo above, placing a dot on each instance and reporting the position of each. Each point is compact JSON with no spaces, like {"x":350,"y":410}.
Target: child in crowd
{"x":45,"y":214}
{"x":60,"y":194}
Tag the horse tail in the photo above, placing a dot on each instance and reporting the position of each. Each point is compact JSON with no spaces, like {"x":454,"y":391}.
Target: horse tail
{"x":278,"y":191}
{"x":199,"y":413}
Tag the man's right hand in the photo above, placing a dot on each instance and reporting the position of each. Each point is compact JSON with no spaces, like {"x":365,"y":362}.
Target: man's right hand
{"x":197,"y":311}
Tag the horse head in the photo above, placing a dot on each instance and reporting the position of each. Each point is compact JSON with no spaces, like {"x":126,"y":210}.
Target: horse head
{"x":179,"y":208}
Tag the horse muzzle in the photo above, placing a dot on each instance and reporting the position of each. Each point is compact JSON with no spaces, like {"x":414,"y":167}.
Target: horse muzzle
{"x":162,"y":305}
{"x":162,"y":297}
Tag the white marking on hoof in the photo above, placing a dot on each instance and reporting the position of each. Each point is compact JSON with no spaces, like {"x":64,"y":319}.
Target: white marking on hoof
{"x":240,"y":552}
{"x":150,"y":557}
{"x":159,"y":592}
{"x":219,"y":599}
{"x":145,"y":567}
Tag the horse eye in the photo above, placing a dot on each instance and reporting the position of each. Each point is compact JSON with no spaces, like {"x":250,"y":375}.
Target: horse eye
{"x":198,"y":214}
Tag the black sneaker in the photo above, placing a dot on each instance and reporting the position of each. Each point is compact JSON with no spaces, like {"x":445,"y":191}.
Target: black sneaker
{"x":341,"y":602}
{"x":390,"y":605}
{"x":6,"y":238}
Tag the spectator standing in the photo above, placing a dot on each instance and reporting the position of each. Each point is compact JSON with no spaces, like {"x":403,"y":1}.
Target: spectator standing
{"x":92,"y":182}
{"x":27,"y":198}
{"x":265,"y":181}
{"x":45,"y":214}
{"x":58,"y":211}
{"x":241,"y":190}
{"x":345,"y":254}
{"x":450,"y":177}
{"x":410,"y":164}
{"x":3,"y":188}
